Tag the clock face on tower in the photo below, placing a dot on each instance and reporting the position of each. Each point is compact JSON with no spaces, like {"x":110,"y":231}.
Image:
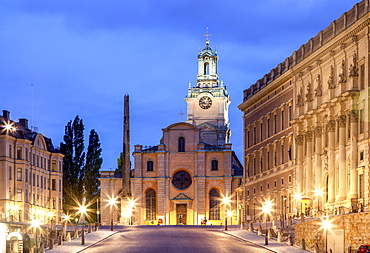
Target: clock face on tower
{"x":181,"y":180}
{"x":205,"y":102}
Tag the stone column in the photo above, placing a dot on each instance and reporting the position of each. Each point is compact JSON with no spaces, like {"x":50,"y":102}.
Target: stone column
{"x":331,"y":161}
{"x":318,"y":167}
{"x":309,"y":178}
{"x":342,"y":180}
{"x":353,"y":191}
{"x":299,"y":168}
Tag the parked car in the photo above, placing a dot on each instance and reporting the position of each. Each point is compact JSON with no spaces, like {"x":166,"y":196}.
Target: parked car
{"x":364,"y":249}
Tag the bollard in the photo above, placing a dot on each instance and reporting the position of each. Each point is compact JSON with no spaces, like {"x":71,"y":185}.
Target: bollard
{"x":303,"y":244}
{"x":60,"y":237}
{"x":75,"y":236}
{"x":279,"y":237}
{"x":68,"y":237}
{"x":89,"y":228}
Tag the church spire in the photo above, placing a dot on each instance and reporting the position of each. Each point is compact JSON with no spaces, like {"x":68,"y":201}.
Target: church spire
{"x":207,"y":66}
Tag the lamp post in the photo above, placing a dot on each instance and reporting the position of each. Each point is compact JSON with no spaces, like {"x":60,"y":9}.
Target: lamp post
{"x":298,"y":198}
{"x":226,"y":202}
{"x":82,"y":210}
{"x":266,"y":209}
{"x":318,"y":192}
{"x":111,"y":202}
{"x":326,"y":225}
{"x":35,"y":224}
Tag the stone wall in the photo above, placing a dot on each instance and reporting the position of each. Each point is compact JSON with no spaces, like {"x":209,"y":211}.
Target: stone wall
{"x":356,"y":228}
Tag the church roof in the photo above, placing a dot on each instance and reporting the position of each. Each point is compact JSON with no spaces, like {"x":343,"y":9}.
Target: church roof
{"x":207,"y":51}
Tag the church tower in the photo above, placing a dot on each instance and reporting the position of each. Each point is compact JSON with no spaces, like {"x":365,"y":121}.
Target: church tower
{"x":208,"y":102}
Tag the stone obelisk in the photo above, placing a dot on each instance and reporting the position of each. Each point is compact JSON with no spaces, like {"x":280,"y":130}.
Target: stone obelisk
{"x":126,"y":191}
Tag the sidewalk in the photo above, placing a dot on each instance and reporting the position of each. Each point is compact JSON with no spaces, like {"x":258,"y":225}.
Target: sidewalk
{"x":75,"y":246}
{"x":273,"y":245}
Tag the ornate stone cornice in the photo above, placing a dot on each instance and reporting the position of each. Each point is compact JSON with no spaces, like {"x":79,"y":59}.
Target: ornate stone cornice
{"x":309,"y":135}
{"x":318,"y":131}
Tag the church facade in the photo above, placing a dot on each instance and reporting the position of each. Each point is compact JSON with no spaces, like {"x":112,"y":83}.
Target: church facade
{"x":184,"y":179}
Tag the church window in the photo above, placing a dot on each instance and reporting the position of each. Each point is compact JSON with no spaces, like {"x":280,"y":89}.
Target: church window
{"x":149,"y":166}
{"x":214,"y":165}
{"x":181,"y":144}
{"x":150,"y":198}
{"x":214,"y":204}
{"x":206,"y":68}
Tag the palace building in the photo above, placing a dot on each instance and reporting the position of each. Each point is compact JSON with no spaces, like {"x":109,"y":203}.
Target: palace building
{"x":306,"y":128}
{"x":184,"y":178}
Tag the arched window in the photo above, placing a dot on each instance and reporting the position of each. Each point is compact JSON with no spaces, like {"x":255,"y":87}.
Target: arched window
{"x":150,"y":199}
{"x":214,"y":165}
{"x":214,"y":204}
{"x":206,"y":68}
{"x":149,"y":165}
{"x":181,"y":144}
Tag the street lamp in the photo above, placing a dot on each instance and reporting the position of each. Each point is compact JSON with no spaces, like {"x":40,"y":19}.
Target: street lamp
{"x":111,"y":202}
{"x":35,"y":224}
{"x":298,"y":198}
{"x":326,"y":225}
{"x":82,"y":209}
{"x":226,"y":202}
{"x":318,"y":192}
{"x":266,"y":209}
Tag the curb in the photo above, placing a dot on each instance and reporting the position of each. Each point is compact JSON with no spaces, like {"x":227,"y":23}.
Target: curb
{"x":243,"y":239}
{"x":94,"y":243}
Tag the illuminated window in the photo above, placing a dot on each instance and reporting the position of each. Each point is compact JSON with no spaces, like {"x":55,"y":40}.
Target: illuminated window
{"x":19,"y":174}
{"x":150,"y":198}
{"x":214,"y":204}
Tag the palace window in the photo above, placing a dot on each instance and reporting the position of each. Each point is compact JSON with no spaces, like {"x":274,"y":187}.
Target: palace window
{"x":10,"y":173}
{"x":214,"y":165}
{"x":268,"y":127}
{"x":181,"y":144}
{"x":149,"y":166}
{"x":53,"y":184}
{"x":362,"y":76}
{"x":282,"y":154}
{"x":282,"y":120}
{"x":19,"y":153}
{"x":290,"y":114}
{"x":150,"y":199}
{"x":214,"y":204}
{"x":261,"y":131}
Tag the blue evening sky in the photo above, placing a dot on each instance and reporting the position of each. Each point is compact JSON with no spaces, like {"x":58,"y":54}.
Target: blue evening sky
{"x":82,"y":56}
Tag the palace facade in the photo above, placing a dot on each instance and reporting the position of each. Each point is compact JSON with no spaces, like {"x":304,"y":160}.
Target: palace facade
{"x":306,"y":126}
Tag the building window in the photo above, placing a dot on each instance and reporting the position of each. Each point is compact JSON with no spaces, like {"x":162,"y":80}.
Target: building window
{"x":19,"y":174}
{"x":214,"y":204}
{"x":54,"y":203}
{"x":282,"y":181}
{"x":214,"y":165}
{"x":362,"y":76}
{"x":19,"y":153}
{"x":53,"y":165}
{"x":282,"y":154}
{"x":290,"y":114}
{"x":275,"y":184}
{"x":60,"y":185}
{"x":149,"y":166}
{"x":41,"y":182}
{"x":290,"y":178}
{"x":33,"y":179}
{"x":26,"y":153}
{"x":53,"y":184}
{"x":268,"y":160}
{"x":181,"y":144}
{"x":261,"y":188}
{"x":26,"y":175}
{"x":282,"y":120}
{"x":10,"y":173}
{"x":19,"y":194}
{"x":361,"y":155}
{"x":10,"y":151}
{"x":44,"y":182}
{"x":275,"y":124}
{"x":248,"y":144}
{"x":150,"y":199}
{"x":26,"y":196}
{"x":38,"y":181}
{"x":261,"y":131}
{"x":268,"y":127}
{"x":361,"y":118}
{"x":254,"y":136}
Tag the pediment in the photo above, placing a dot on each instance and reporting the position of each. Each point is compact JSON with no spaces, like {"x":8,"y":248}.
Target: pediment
{"x":181,"y":196}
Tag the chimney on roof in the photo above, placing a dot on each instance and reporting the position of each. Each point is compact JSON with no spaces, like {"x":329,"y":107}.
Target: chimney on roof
{"x":24,"y":123}
{"x":6,"y":114}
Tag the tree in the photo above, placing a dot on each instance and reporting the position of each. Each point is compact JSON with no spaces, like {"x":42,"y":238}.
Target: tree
{"x":91,"y":170}
{"x":118,"y":171}
{"x":73,"y":163}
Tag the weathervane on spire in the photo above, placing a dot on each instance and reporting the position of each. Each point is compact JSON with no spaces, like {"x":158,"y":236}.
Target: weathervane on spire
{"x":207,"y":35}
